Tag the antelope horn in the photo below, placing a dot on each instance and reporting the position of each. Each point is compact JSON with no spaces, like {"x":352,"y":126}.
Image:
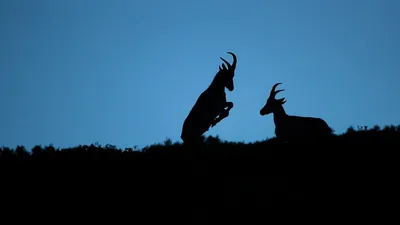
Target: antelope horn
{"x":233,"y":66}
{"x":273,"y":92}
{"x":234,"y":60}
{"x":227,"y":63}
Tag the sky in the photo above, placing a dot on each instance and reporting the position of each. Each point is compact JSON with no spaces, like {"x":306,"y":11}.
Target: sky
{"x":127,"y":73}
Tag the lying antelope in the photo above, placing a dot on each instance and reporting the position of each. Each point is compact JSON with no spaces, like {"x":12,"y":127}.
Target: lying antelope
{"x":211,"y":106}
{"x":290,"y":128}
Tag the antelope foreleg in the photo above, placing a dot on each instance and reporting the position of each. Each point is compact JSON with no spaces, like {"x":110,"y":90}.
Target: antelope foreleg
{"x":223,"y":114}
{"x":220,"y":117}
{"x":228,"y":106}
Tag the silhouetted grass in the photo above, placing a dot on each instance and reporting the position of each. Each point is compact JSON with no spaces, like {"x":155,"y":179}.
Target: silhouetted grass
{"x":352,"y":174}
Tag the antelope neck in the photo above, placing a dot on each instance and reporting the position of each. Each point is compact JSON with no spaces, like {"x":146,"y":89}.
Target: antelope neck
{"x":279,"y":114}
{"x":217,"y":84}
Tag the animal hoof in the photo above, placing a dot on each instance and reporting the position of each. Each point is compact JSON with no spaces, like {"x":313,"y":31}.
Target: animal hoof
{"x":225,"y":114}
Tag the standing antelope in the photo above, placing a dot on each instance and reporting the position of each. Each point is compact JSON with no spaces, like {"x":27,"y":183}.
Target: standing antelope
{"x":211,"y":106}
{"x":291,"y":128}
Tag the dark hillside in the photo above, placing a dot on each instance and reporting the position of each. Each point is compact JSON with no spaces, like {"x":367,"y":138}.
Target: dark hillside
{"x":352,"y":176}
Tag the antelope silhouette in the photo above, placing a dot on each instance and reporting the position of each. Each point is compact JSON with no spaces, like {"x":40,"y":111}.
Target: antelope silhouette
{"x":290,"y":128}
{"x":211,"y":106}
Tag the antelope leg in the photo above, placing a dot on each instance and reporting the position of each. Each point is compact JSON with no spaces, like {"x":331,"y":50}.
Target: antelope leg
{"x":229,"y":105}
{"x":220,"y":117}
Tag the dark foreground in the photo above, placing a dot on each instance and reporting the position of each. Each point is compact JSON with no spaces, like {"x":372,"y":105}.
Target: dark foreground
{"x":350,"y":179}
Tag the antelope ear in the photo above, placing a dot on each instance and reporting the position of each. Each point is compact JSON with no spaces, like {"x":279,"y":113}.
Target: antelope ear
{"x":223,"y":66}
{"x":282,"y":100}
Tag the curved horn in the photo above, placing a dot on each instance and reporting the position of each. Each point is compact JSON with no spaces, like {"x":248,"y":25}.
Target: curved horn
{"x":227,"y":63}
{"x":234,"y":60}
{"x":273,"y":92}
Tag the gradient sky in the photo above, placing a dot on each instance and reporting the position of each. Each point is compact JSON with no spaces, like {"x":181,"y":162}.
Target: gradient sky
{"x":128,"y":72}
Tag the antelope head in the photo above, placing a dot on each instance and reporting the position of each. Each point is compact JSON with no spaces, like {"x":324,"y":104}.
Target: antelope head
{"x":227,"y":72}
{"x":273,"y":104}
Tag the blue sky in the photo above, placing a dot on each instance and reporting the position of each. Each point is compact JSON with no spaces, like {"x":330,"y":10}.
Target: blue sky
{"x":128,"y":72}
